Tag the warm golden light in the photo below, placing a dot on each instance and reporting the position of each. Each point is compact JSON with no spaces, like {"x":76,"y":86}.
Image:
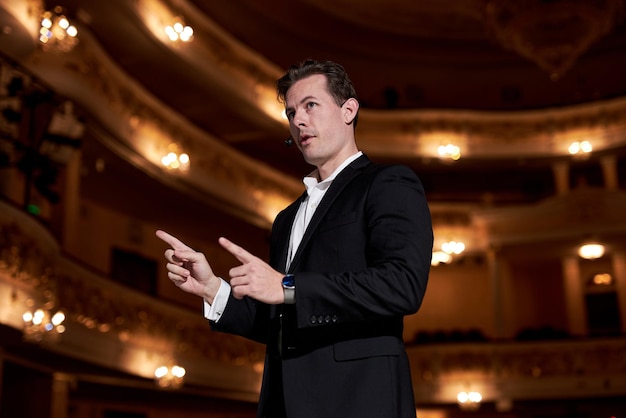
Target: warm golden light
{"x":57,"y":32}
{"x":175,"y":160}
{"x":58,"y":318}
{"x":453,"y":247}
{"x":449,"y":151}
{"x":469,"y":400}
{"x":169,"y":377}
{"x":602,"y":279}
{"x":580,"y":147}
{"x":440,"y":257}
{"x":591,"y":251}
{"x":40,"y":325}
{"x":178,"y":31}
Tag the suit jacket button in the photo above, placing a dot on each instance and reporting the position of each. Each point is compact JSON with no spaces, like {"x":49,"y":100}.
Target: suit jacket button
{"x":313,"y":319}
{"x":334,"y":318}
{"x":327,"y":319}
{"x":320,"y":319}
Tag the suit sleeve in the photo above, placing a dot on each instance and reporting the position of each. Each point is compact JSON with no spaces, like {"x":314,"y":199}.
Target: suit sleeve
{"x":371,"y":257}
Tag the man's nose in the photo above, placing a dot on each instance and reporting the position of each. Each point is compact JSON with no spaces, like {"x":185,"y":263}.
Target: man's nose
{"x":299,"y":119}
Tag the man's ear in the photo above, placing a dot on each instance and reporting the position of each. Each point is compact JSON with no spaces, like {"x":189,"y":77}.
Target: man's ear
{"x":350,"y":109}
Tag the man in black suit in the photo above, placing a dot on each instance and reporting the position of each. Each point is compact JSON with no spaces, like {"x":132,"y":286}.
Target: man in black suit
{"x":348,"y":260}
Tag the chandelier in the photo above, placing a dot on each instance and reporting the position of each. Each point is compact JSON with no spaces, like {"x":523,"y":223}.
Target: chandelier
{"x":57,"y":32}
{"x":553,"y":34}
{"x":41,"y":325}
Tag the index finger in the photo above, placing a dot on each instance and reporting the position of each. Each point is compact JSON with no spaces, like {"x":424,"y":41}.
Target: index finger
{"x":239,"y":253}
{"x":174,"y":242}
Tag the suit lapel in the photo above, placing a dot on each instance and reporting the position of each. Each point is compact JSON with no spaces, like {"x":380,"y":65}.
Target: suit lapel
{"x":283,"y":230}
{"x":338,"y":184}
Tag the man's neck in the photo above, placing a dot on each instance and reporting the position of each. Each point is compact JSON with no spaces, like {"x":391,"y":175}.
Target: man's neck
{"x":324,"y":172}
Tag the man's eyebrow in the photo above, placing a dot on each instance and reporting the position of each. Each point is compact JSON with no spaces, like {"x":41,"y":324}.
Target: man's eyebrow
{"x":305,"y":99}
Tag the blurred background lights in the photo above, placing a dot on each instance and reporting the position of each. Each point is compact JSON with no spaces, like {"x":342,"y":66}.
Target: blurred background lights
{"x":602,"y":279}
{"x":56,"y":31}
{"x":169,"y":377}
{"x":178,"y":31}
{"x":174,"y":159}
{"x":591,"y":251}
{"x":580,"y":147}
{"x":449,"y":151}
{"x":469,"y":400}
{"x":453,"y":247}
{"x":440,"y":257}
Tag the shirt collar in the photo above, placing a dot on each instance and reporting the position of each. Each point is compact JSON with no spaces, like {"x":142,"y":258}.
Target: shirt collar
{"x":311,"y":181}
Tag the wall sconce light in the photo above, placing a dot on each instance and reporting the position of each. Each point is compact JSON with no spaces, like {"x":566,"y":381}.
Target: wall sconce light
{"x":175,"y":160}
{"x":602,"y":279}
{"x":169,"y":377}
{"x":453,"y":247}
{"x":448,"y":249}
{"x":440,"y":257}
{"x":40,"y":325}
{"x":591,"y":251}
{"x":469,"y":401}
{"x":449,"y":151}
{"x":57,"y":32}
{"x":580,"y":149}
{"x":178,"y":31}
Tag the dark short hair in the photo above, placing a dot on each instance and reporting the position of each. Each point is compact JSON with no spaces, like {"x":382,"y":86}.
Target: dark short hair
{"x":338,"y":83}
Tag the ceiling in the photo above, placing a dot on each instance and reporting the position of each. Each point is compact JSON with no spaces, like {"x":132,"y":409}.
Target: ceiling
{"x":414,"y":64}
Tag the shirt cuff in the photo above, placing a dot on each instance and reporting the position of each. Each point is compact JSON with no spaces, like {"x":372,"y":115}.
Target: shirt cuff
{"x":213,"y":312}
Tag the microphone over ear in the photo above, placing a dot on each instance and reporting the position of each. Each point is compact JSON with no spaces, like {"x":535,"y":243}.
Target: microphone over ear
{"x":289,"y":141}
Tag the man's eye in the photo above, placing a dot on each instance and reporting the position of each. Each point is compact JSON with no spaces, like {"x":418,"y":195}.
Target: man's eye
{"x":290,"y":115}
{"x":311,"y":105}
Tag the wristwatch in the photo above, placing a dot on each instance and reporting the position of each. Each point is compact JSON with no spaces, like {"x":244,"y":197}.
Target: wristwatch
{"x":289,"y":289}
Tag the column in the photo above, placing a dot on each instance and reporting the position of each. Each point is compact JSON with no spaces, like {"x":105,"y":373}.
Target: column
{"x":71,"y":202}
{"x":561,"y":177}
{"x":619,"y":273}
{"x":60,"y":395}
{"x":609,"y":172}
{"x":499,"y":276}
{"x":574,"y":297}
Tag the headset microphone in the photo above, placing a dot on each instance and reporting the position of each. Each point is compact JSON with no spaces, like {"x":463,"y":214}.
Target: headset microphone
{"x":289,"y":141}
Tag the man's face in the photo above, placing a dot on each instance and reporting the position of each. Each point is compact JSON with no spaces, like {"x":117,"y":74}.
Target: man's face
{"x":318,"y":125}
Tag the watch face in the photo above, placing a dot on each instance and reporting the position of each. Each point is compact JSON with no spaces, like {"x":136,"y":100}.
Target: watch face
{"x":289,"y":281}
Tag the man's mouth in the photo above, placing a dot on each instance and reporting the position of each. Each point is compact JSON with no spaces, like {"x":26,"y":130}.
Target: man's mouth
{"x":305,"y":139}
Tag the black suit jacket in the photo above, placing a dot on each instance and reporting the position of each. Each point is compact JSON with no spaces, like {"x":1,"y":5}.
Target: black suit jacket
{"x":362,"y":265}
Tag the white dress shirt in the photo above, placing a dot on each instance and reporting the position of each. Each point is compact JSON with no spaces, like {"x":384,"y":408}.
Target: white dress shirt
{"x":315,"y":192}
